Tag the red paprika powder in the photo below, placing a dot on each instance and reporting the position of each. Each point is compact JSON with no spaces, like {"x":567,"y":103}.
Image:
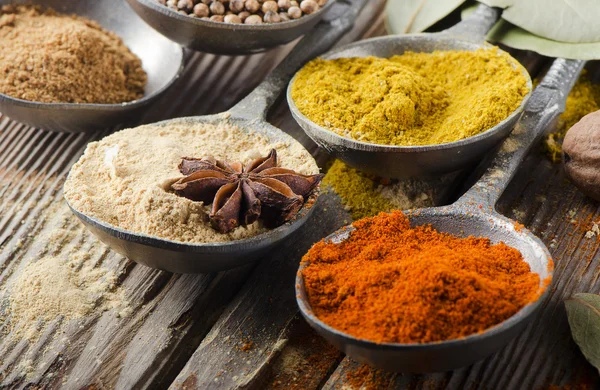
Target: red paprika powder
{"x":389,"y":282}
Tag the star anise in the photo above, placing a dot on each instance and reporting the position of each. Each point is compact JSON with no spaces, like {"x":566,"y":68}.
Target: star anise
{"x":240,"y":195}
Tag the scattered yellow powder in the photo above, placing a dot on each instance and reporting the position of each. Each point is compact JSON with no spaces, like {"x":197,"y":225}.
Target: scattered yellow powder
{"x":55,"y":286}
{"x":365,"y":196}
{"x":413,"y":98}
{"x":583,"y":99}
{"x":49,"y":57}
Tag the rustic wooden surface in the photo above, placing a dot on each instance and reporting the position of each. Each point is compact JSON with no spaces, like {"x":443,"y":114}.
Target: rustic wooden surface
{"x":241,"y":329}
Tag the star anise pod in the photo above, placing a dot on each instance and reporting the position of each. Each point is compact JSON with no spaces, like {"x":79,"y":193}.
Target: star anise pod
{"x":240,"y":195}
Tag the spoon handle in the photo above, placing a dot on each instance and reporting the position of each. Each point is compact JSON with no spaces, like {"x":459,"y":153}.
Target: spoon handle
{"x":339,"y":20}
{"x":476,"y":25}
{"x":546,"y":103}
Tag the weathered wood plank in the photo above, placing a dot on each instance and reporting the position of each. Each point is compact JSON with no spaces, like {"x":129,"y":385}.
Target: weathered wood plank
{"x":170,"y":313}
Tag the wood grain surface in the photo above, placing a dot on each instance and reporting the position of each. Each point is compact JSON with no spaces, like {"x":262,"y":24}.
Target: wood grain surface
{"x":240,"y":329}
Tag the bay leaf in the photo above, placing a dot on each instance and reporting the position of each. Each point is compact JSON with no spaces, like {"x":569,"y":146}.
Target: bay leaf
{"x":583,"y":312}
{"x":412,"y":16}
{"x":517,"y":38}
{"x":574,"y":21}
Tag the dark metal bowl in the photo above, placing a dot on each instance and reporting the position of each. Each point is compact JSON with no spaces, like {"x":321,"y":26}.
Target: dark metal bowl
{"x":223,"y":38}
{"x":162,"y":60}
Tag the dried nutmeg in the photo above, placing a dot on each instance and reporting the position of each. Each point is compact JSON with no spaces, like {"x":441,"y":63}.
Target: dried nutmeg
{"x":581,"y":155}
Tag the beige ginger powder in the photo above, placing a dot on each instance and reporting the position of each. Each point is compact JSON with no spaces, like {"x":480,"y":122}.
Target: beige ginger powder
{"x":125,"y":178}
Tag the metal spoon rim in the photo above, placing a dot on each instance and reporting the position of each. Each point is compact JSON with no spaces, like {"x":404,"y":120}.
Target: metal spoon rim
{"x":95,"y":106}
{"x":526,"y":310}
{"x":154,"y":241}
{"x":366,"y":146}
{"x":154,"y":5}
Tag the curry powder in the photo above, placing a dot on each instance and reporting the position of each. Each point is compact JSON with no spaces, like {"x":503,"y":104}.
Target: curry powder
{"x":389,"y":282}
{"x":411,"y":99}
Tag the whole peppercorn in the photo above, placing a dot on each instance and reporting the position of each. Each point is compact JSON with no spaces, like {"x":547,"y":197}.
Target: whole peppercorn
{"x":185,"y":5}
{"x":270,"y":6}
{"x":236,"y":6}
{"x":271,"y":17}
{"x":171,"y":3}
{"x":217,"y":8}
{"x":217,"y":18}
{"x":309,"y":6}
{"x":253,"y":19}
{"x":294,"y":3}
{"x":243,"y":15}
{"x":201,"y":10}
{"x":284,"y":4}
{"x":294,"y":12}
{"x":233,"y":18}
{"x":284,"y":16}
{"x":321,"y":2}
{"x":252,"y":6}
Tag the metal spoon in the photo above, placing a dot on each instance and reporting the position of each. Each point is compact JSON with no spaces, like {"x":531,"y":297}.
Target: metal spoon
{"x":250,"y":115}
{"x":473,"y":214}
{"x":162,"y":60}
{"x":414,"y":161}
{"x":223,"y":38}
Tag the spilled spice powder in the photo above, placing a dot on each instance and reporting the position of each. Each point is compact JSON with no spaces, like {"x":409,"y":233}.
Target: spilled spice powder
{"x":389,"y":282}
{"x":53,"y":58}
{"x":367,"y":378}
{"x":364,"y":195}
{"x":70,"y":287}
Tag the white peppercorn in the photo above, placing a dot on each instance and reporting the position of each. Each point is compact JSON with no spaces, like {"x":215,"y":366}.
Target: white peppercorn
{"x":294,"y":12}
{"x":243,"y":15}
{"x":185,"y":5}
{"x":270,"y":5}
{"x":271,"y":17}
{"x":284,"y":5}
{"x":201,"y":10}
{"x":217,"y":8}
{"x":253,"y":19}
{"x":309,"y":6}
{"x":252,"y":6}
{"x":267,"y":11}
{"x":236,"y":6}
{"x":232,"y":18}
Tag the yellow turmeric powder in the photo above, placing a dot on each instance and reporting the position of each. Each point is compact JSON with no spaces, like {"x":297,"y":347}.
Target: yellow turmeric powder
{"x":413,"y":98}
{"x":583,"y":99}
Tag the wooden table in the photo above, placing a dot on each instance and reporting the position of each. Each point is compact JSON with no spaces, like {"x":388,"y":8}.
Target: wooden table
{"x":240,"y":329}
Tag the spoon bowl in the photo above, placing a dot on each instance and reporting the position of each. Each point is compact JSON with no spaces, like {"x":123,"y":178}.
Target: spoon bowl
{"x":180,"y":257}
{"x":161,"y":59}
{"x":446,"y":355}
{"x":223,"y":38}
{"x":408,"y":161}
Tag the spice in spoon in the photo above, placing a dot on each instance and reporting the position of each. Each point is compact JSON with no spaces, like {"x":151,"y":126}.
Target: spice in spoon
{"x":53,"y":58}
{"x":411,"y":99}
{"x":241,"y":194}
{"x":126,"y":179}
{"x":393,"y":283}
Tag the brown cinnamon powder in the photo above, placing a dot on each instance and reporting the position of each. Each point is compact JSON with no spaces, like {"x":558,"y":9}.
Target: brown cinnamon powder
{"x":53,"y":58}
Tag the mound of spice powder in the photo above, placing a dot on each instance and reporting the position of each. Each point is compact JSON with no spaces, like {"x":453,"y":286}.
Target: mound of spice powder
{"x":389,"y":282}
{"x":53,"y":58}
{"x":411,"y":99}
